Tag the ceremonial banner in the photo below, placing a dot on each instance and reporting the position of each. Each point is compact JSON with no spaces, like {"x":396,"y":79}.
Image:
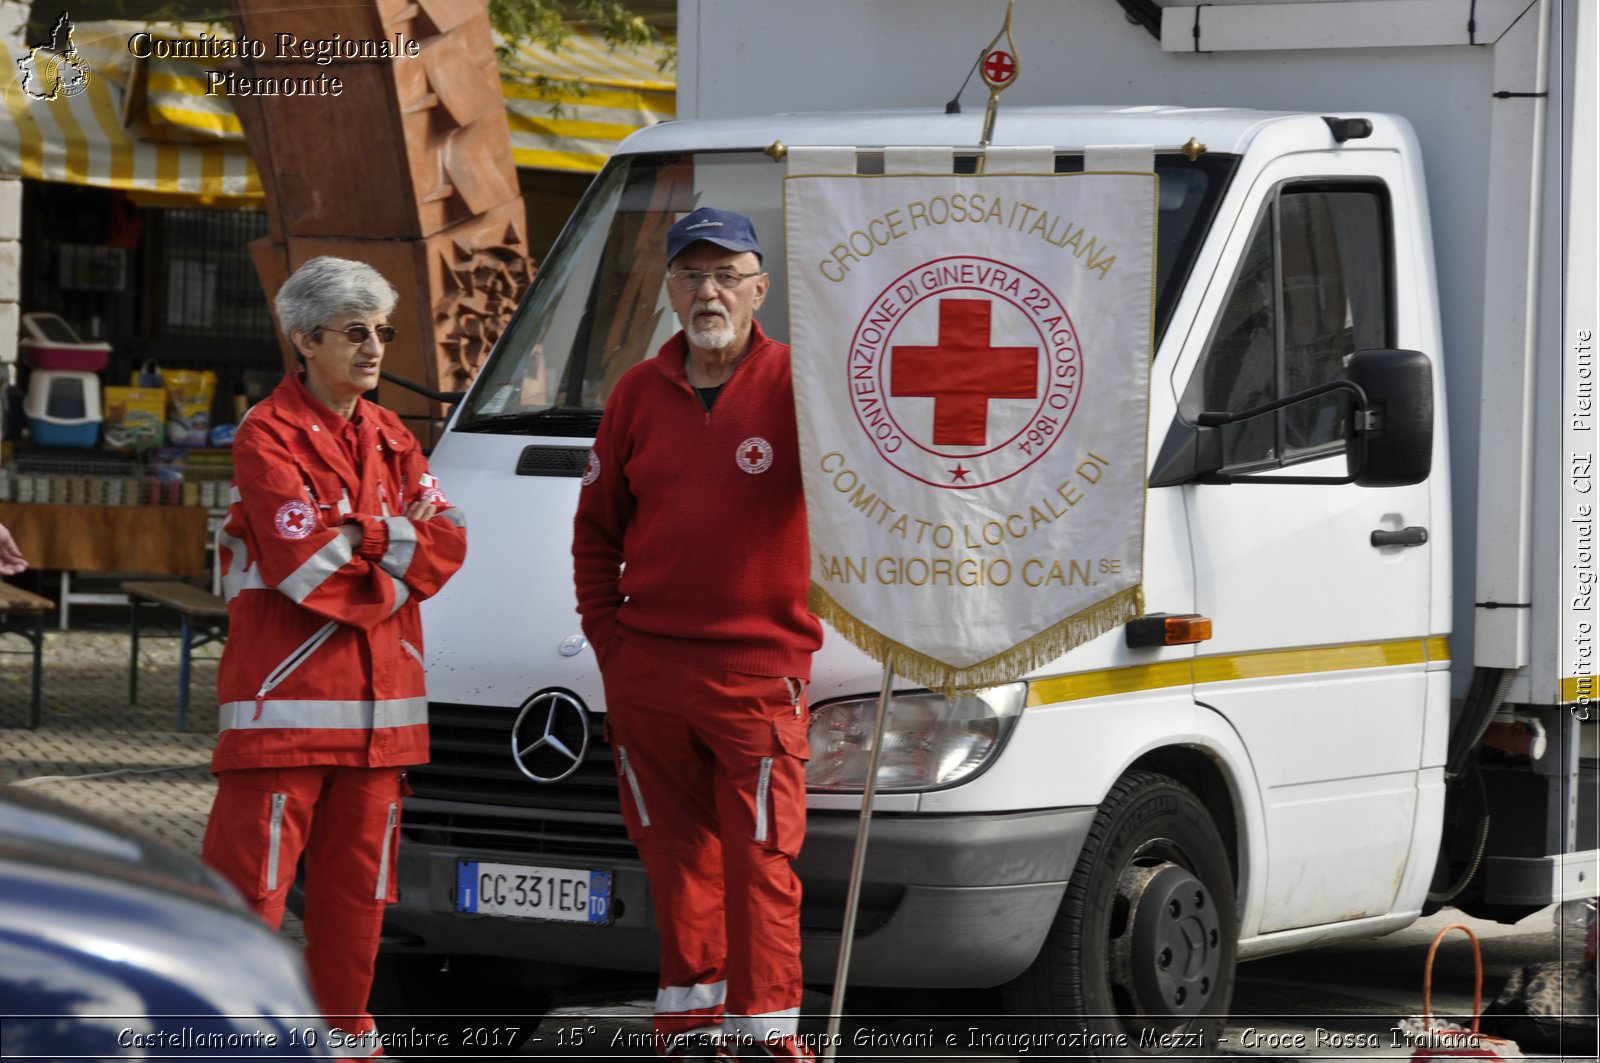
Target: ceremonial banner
{"x":971,"y":370}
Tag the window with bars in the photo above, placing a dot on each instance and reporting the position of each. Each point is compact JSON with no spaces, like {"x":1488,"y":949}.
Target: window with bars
{"x":203,"y":284}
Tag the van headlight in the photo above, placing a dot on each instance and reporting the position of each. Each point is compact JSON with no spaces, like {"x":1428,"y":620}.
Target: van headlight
{"x":929,"y":742}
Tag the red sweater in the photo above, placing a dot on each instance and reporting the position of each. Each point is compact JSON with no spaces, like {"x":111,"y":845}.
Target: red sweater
{"x":707,"y":512}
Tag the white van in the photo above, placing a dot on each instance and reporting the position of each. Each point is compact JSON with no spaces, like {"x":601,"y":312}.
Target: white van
{"x":1106,"y":836}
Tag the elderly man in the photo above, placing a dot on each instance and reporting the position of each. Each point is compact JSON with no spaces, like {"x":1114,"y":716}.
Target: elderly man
{"x":335,"y":532}
{"x":691,"y":570}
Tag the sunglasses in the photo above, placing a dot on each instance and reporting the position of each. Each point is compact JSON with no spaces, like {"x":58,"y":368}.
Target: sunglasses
{"x":358,"y":334}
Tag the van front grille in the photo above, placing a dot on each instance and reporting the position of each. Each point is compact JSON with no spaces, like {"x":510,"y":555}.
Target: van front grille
{"x":471,"y":794}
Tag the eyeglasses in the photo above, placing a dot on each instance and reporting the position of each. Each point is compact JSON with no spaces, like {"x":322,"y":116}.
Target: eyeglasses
{"x":727,"y":279}
{"x":357,"y":334}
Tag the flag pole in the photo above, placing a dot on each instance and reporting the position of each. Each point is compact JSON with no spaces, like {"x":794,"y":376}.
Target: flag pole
{"x":999,"y":69}
{"x":858,"y":863}
{"x":997,"y":65}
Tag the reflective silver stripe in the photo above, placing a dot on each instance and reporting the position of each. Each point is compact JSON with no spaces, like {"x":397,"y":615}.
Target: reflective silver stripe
{"x":241,"y":575}
{"x":454,"y":516}
{"x":402,"y":547}
{"x":315,"y":570}
{"x":323,"y":715}
{"x":402,"y":594}
{"x":344,"y":508}
{"x":763,"y":784}
{"x":296,"y":659}
{"x":242,"y":579}
{"x":383,"y":862}
{"x":413,"y":651}
{"x":762,"y":1028}
{"x":275,"y":839}
{"x":674,"y":999}
{"x":633,"y":785}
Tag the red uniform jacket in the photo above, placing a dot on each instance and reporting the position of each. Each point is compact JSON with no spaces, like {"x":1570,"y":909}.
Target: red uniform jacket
{"x":323,"y":574}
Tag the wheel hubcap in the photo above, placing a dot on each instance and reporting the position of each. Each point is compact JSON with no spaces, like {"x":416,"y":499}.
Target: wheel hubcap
{"x":1175,"y":944}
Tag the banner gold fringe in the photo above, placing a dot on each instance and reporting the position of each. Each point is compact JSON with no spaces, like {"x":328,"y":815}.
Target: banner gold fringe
{"x":1020,"y":659}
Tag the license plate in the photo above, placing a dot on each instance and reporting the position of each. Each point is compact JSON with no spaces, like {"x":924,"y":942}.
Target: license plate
{"x":564,"y":894}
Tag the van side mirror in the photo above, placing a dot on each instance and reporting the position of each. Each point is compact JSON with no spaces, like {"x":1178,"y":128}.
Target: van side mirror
{"x":1393,"y":442}
{"x":1389,"y":442}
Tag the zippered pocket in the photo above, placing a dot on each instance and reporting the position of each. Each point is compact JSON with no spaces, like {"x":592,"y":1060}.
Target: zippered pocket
{"x":287,"y":666}
{"x":275,"y":839}
{"x":633,"y":786}
{"x":382,"y":893}
{"x":763,"y":794}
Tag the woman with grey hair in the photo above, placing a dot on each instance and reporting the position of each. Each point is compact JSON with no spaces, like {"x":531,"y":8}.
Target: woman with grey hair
{"x":335,"y":532}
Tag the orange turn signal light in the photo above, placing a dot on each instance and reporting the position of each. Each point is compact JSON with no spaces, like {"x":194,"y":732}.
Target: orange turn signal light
{"x":1167,"y":629}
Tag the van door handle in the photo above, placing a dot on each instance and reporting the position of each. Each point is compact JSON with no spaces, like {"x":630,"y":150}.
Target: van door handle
{"x":1412,"y":536}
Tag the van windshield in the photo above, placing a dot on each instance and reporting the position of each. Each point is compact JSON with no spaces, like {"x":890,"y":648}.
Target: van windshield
{"x":598,"y":305}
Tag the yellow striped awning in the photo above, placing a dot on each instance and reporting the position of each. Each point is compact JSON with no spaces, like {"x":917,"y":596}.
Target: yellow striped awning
{"x":568,"y":109}
{"x":147,"y":126}
{"x":80,"y":136}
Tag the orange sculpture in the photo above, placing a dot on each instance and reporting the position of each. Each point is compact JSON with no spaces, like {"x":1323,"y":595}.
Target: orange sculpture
{"x":406,"y":165}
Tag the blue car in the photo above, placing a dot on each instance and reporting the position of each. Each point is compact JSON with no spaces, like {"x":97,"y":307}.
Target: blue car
{"x":119,"y":946}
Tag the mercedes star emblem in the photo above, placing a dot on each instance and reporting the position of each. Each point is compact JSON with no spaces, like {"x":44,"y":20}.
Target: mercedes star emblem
{"x":550,"y":737}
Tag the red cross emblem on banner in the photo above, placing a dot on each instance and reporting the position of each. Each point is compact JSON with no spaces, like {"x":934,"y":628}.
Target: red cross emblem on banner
{"x":998,"y":333}
{"x":962,"y":372}
{"x":998,"y":68}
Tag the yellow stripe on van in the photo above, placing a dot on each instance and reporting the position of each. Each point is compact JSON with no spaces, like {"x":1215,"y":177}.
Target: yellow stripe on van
{"x":1111,"y":681}
{"x":1274,"y":663}
{"x":1264,"y":665}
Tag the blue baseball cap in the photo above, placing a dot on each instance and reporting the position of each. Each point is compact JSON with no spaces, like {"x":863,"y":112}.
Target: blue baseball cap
{"x":726,"y":228}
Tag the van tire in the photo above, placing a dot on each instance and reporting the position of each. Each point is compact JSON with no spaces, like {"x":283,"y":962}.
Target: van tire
{"x":1141,"y":954}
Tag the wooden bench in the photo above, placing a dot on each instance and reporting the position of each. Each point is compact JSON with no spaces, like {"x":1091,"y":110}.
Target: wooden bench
{"x":202,"y":617}
{"x":22,"y":613}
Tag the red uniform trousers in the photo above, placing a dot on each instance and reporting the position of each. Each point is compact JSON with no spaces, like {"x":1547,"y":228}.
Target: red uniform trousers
{"x":711,"y":770}
{"x":346,"y":821}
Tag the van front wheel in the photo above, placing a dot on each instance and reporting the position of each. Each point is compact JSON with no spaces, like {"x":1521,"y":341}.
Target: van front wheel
{"x":1140,"y":959}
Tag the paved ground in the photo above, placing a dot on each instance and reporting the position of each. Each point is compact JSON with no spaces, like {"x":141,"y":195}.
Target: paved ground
{"x":93,"y":749}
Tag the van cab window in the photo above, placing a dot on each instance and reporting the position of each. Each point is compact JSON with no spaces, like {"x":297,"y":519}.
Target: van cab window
{"x":598,"y":305}
{"x":1313,"y":288}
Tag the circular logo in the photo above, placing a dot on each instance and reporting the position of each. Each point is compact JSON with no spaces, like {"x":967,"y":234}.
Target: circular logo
{"x":999,"y":68}
{"x":70,"y":76}
{"x":964,"y":372}
{"x":295,"y":519}
{"x":754,"y":455}
{"x":591,"y":469}
{"x":550,"y":737}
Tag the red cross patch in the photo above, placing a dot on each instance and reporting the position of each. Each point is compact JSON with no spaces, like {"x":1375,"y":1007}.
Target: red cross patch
{"x":591,"y":469}
{"x":295,"y":519}
{"x":754,"y":455}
